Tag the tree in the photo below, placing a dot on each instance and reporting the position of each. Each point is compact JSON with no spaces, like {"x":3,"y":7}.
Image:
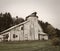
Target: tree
{"x":58,"y":32}
{"x":43,"y":25}
{"x":51,"y":31}
{"x":1,"y":15}
{"x":5,"y":21}
{"x":18,"y":20}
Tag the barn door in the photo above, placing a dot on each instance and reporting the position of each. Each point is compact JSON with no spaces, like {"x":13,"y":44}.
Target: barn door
{"x":38,"y":36}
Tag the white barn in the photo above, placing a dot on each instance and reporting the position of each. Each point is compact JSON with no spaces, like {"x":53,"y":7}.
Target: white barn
{"x":28,"y":30}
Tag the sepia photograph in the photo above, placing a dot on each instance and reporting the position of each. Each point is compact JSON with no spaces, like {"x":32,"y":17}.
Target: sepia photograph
{"x":29,"y":25}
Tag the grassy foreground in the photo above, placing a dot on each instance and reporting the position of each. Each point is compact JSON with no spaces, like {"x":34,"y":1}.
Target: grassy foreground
{"x":28,"y":46}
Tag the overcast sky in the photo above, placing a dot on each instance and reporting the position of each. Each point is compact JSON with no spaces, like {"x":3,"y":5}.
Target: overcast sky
{"x":47,"y":10}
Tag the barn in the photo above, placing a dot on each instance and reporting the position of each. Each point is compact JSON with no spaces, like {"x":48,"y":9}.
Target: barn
{"x":28,"y":30}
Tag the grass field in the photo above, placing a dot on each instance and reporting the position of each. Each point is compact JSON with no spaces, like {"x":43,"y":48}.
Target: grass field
{"x":28,"y":46}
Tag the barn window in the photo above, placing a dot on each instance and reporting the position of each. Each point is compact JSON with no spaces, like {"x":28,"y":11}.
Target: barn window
{"x":14,"y":36}
{"x":21,"y":28}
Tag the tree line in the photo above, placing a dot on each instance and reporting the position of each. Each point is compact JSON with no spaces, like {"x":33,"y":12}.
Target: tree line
{"x":53,"y":33}
{"x":6,"y":21}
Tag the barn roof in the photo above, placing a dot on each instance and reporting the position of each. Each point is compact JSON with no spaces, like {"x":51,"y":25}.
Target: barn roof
{"x":13,"y":27}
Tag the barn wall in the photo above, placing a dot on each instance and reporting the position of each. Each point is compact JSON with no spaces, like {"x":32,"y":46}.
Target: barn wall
{"x":27,"y":35}
{"x":33,"y":28}
{"x":17,"y":31}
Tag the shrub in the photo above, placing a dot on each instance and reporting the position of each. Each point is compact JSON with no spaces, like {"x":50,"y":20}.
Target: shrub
{"x":56,"y":42}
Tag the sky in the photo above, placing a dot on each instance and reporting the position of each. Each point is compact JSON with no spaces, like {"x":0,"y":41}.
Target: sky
{"x":47,"y":10}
